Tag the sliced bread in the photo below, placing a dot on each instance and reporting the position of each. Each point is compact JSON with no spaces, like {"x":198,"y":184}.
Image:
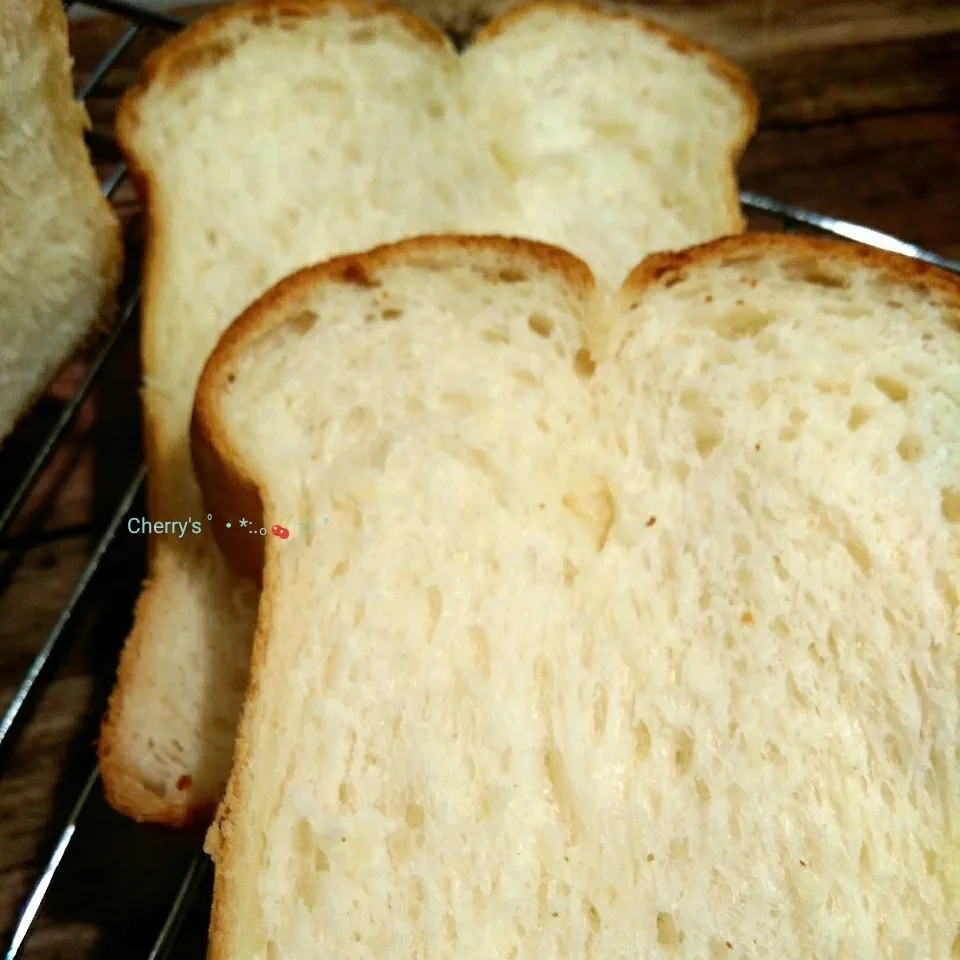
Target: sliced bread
{"x":634,"y":628}
{"x":274,"y":135}
{"x":60,"y":246}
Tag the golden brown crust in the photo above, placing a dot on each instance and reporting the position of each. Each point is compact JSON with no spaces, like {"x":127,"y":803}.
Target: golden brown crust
{"x":661,"y":268}
{"x":122,"y":782}
{"x":231,"y":493}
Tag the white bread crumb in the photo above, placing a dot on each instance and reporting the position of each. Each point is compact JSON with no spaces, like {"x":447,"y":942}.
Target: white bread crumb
{"x":647,"y":652}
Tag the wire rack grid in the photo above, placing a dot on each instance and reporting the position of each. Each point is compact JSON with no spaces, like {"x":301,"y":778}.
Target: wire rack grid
{"x":787,"y":217}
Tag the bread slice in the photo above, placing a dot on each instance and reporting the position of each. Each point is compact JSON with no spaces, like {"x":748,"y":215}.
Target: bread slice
{"x":60,"y":247}
{"x":271,"y":136}
{"x":634,"y":627}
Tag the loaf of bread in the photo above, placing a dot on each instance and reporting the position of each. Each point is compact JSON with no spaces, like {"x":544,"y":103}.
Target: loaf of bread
{"x":634,"y":628}
{"x":274,"y":135}
{"x":60,"y":247}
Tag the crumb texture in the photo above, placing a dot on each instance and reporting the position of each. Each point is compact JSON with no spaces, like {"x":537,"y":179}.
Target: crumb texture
{"x":59,"y":240}
{"x":632,"y":637}
{"x":365,"y":134}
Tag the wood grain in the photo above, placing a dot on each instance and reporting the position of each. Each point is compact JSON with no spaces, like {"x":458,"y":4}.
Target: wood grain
{"x":861,"y":119}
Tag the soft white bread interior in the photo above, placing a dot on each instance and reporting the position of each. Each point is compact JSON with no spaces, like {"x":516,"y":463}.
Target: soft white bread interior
{"x":60,"y":247}
{"x":634,"y":627}
{"x":271,"y":136}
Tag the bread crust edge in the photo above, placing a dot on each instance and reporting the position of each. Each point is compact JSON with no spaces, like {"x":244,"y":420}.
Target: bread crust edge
{"x":268,"y":312}
{"x":224,"y":470}
{"x":189,"y":50}
{"x":224,"y":480}
{"x":658,"y":268}
{"x":123,"y":782}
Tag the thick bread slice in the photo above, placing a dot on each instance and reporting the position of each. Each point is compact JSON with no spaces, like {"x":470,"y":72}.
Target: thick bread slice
{"x":634,"y":627}
{"x":275,"y":135}
{"x":60,"y":247}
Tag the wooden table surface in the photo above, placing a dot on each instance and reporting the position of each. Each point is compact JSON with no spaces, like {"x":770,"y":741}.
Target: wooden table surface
{"x":860,"y":119}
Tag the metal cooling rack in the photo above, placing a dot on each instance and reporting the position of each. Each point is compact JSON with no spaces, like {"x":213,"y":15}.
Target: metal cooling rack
{"x":790,"y":218}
